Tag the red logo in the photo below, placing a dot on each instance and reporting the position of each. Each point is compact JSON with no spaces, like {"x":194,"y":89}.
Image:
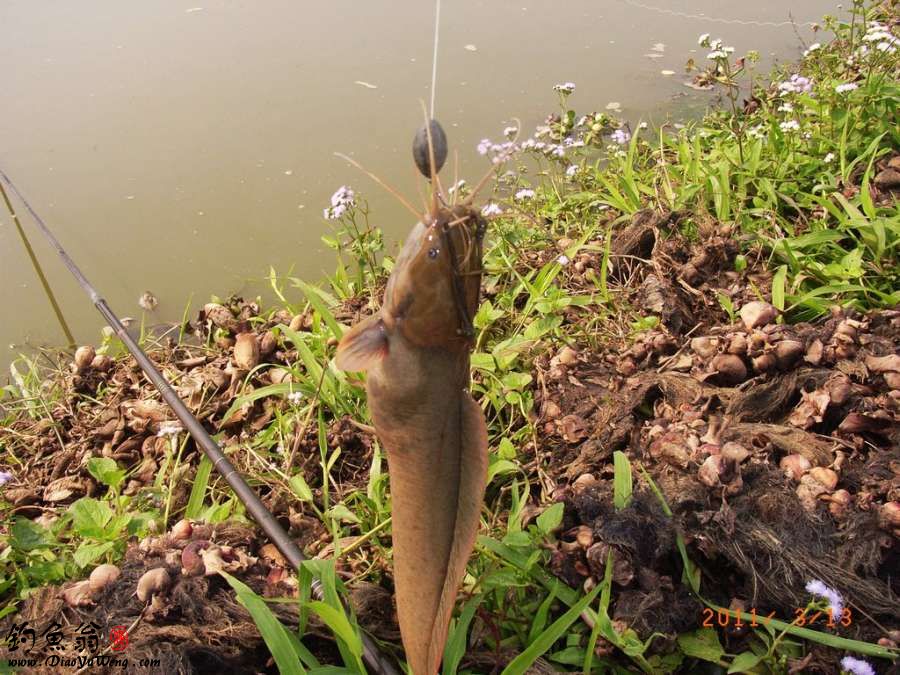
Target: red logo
{"x":118,"y":638}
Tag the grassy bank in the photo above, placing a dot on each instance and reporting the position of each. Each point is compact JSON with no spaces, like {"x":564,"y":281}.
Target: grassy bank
{"x":686,"y":351}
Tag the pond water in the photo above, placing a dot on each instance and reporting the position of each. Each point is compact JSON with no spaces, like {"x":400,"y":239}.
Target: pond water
{"x":183,"y":148}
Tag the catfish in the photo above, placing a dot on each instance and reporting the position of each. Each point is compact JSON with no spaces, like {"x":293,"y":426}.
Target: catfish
{"x":415,"y":352}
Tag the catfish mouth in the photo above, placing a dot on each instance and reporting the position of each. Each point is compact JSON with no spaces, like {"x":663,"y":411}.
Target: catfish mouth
{"x":461,"y":230}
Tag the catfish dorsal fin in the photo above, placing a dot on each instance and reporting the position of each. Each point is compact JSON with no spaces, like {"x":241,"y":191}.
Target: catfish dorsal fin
{"x":363,"y":345}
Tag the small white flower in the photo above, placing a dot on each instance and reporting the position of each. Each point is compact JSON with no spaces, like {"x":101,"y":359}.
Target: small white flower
{"x":169,"y":429}
{"x":813,"y":47}
{"x":524,"y":194}
{"x":563,"y":260}
{"x":835,"y":601}
{"x":509,"y":132}
{"x":758,"y":131}
{"x":295,"y":397}
{"x":790,"y":125}
{"x":491,"y":209}
{"x":564,"y":88}
{"x":786,"y":107}
{"x":716,"y":44}
{"x":847,"y":86}
{"x":703,"y":40}
{"x":643,"y":125}
{"x":716,"y":55}
{"x":484,"y":145}
{"x":572,"y":170}
{"x":829,"y":158}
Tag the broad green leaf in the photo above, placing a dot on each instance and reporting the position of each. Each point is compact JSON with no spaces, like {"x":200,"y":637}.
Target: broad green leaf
{"x":301,"y":487}
{"x":551,"y":518}
{"x":87,"y":553}
{"x":90,"y":517}
{"x":702,"y":643}
{"x":105,"y":470}
{"x":744,"y":662}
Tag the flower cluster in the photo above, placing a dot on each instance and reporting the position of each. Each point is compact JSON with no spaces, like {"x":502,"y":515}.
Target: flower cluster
{"x":5,"y":477}
{"x":523,"y":194}
{"x":621,"y":136}
{"x":169,"y":429}
{"x":796,"y":84}
{"x":342,"y":200}
{"x":856,"y":666}
{"x":564,"y":88}
{"x":759,"y":131}
{"x":491,"y":209}
{"x":880,"y":36}
{"x":835,"y":601}
{"x":719,"y":50}
{"x":845,"y":87}
{"x":813,"y":47}
{"x":500,"y":152}
{"x":789,"y":125}
{"x":295,"y":397}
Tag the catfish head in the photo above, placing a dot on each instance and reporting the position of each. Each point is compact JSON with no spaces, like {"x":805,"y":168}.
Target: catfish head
{"x":432,"y":293}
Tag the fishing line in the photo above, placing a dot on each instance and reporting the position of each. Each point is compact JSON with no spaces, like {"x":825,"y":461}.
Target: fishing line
{"x":273,"y":530}
{"x":437,"y":23}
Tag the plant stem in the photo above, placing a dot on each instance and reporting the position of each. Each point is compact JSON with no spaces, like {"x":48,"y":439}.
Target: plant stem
{"x":40,"y":272}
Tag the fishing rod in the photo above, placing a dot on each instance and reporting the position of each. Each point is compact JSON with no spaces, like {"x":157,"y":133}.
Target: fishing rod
{"x":377,"y":662}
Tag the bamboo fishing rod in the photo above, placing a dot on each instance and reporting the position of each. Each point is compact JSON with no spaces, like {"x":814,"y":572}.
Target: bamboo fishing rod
{"x":376,"y":662}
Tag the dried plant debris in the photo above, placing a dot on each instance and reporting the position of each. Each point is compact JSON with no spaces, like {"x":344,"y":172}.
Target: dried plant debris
{"x":778,"y":470}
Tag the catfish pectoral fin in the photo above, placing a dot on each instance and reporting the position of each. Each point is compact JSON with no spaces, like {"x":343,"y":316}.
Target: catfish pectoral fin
{"x":437,"y":495}
{"x":363,"y":345}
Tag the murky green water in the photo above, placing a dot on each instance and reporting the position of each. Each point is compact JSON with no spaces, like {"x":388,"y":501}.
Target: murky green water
{"x":183,"y":148}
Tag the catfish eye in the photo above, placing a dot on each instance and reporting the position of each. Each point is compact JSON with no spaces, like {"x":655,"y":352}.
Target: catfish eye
{"x":433,"y":253}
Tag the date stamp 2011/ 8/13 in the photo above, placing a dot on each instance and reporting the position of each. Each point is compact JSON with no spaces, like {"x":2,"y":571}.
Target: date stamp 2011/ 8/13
{"x":803,"y":616}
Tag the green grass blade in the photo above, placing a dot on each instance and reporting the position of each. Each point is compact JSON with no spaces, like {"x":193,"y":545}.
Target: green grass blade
{"x":272,"y":631}
{"x":545,"y":640}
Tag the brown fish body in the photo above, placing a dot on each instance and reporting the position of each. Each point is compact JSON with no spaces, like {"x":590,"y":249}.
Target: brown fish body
{"x":433,"y":431}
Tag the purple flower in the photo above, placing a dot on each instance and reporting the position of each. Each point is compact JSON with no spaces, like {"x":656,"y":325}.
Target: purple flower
{"x":835,"y":601}
{"x":343,"y":199}
{"x":796,"y":84}
{"x":343,"y":196}
{"x":484,"y":145}
{"x":621,"y":136}
{"x":572,"y":170}
{"x":856,"y":666}
{"x":491,"y":209}
{"x":5,"y":477}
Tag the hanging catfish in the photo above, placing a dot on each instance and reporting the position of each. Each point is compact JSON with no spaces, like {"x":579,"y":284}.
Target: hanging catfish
{"x":416,"y":354}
